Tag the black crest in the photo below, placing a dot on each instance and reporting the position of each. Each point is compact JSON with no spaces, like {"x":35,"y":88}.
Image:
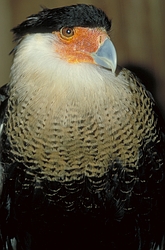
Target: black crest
{"x":48,"y":20}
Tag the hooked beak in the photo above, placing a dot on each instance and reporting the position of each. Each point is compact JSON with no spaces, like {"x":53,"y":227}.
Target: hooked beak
{"x":106,"y":55}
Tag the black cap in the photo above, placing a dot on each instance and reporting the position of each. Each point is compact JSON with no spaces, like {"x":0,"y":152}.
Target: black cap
{"x":48,"y":20}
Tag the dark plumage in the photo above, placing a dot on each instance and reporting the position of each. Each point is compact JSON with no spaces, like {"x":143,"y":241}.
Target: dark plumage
{"x":49,"y":20}
{"x":82,"y":145}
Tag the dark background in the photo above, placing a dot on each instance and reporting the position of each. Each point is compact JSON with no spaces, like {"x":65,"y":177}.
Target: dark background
{"x":138,"y":34}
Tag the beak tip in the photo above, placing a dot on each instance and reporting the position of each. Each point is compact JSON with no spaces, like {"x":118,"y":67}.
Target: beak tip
{"x":106,"y":56}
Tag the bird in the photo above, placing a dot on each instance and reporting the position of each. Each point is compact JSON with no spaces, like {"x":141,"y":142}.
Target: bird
{"x":82,"y":141}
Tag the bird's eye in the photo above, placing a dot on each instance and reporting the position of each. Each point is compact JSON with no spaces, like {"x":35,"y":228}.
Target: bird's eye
{"x":67,"y":32}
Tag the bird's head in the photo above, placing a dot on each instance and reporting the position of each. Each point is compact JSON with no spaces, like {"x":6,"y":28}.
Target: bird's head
{"x":76,"y":34}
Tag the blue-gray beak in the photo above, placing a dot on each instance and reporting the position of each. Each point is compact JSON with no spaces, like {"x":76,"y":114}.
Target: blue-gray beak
{"x":106,"y":55}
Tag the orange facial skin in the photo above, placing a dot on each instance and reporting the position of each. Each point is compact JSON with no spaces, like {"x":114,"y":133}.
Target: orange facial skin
{"x":79,"y":44}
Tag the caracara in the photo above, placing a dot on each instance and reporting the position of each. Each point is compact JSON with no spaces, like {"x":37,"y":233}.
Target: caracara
{"x":82,"y":142}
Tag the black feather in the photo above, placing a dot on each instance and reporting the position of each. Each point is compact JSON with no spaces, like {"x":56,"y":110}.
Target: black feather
{"x":49,"y":20}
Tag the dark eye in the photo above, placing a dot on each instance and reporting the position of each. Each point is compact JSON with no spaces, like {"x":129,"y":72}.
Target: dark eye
{"x":67,"y":32}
